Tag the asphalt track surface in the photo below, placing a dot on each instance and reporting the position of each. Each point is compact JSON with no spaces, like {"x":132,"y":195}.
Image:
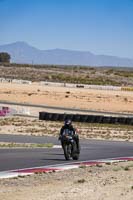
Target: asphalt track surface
{"x":18,"y":158}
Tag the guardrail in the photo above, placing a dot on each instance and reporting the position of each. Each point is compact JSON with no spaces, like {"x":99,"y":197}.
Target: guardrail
{"x":86,"y":118}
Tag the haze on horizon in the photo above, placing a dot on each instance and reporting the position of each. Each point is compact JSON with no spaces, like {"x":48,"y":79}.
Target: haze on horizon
{"x":99,"y":26}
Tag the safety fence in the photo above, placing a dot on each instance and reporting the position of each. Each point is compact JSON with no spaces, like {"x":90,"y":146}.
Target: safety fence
{"x":86,"y":118}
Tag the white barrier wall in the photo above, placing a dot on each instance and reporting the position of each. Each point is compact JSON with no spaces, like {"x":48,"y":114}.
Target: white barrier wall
{"x":3,"y":80}
{"x":98,"y":87}
{"x":21,"y":81}
{"x":70,"y":85}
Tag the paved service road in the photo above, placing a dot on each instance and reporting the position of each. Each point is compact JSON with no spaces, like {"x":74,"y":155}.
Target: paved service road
{"x":25,"y":158}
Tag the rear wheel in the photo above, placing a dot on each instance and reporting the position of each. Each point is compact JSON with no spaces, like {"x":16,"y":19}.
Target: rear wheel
{"x":75,"y":154}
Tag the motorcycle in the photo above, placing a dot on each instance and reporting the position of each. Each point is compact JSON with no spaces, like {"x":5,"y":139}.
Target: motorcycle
{"x":69,"y":146}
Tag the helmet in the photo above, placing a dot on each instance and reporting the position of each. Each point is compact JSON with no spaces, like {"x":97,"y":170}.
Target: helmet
{"x":68,"y":122}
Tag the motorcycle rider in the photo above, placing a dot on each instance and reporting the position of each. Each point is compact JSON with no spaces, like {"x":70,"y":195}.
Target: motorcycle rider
{"x":69,"y":127}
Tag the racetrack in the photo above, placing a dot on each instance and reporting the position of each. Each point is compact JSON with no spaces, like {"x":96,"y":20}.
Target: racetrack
{"x":18,"y":158}
{"x":78,"y":98}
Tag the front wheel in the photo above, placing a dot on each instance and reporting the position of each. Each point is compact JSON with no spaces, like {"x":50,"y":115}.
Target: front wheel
{"x":67,"y":151}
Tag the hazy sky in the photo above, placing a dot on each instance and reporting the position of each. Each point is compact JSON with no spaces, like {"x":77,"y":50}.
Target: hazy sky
{"x":99,"y":26}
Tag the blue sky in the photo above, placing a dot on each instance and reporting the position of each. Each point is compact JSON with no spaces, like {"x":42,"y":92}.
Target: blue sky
{"x":99,"y":26}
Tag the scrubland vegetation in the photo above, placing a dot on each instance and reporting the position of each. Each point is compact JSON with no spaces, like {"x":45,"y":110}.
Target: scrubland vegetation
{"x":69,"y":74}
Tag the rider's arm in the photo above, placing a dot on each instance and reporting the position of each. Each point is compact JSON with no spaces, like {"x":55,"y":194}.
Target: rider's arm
{"x":73,"y":130}
{"x":61,"y":131}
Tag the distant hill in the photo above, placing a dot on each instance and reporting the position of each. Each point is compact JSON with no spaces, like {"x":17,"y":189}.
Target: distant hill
{"x":21,"y":52}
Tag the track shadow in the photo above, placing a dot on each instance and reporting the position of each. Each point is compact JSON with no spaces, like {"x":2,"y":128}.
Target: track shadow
{"x":54,"y":159}
{"x":52,"y":154}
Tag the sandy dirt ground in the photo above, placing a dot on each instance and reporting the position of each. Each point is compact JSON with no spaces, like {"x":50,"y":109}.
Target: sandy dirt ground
{"x":101,"y":100}
{"x":101,"y":182}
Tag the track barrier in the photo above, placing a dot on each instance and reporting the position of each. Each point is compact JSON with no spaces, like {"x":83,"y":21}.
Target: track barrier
{"x":86,"y":118}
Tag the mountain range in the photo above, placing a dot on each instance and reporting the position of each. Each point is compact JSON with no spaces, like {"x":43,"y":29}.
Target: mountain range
{"x":21,"y":52}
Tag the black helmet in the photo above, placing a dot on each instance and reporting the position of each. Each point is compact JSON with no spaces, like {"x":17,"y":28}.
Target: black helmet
{"x":68,"y":122}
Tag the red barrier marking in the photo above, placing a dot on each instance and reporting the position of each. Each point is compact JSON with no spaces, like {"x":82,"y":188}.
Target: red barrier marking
{"x":63,"y":167}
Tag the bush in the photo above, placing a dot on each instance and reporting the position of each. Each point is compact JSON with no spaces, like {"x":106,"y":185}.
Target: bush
{"x":5,"y":57}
